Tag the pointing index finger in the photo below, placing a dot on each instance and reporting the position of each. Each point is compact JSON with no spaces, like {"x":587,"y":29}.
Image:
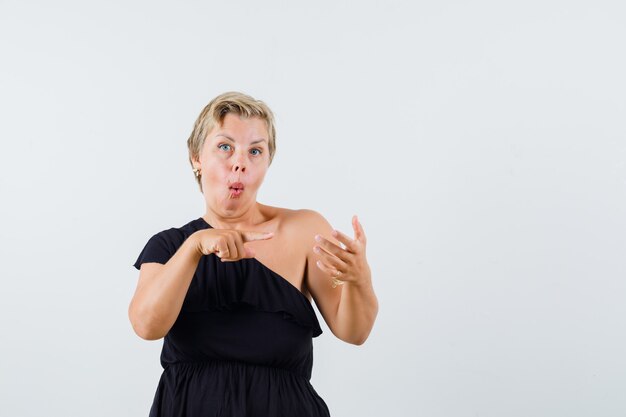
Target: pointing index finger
{"x":250,"y":236}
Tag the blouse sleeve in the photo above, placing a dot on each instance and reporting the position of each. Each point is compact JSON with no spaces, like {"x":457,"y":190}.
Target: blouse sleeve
{"x":158,"y":249}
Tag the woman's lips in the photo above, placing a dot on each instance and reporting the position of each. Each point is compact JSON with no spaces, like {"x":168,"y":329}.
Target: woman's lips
{"x":236,"y":189}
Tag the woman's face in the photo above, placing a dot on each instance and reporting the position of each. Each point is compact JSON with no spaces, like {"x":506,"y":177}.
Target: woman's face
{"x":236,"y":152}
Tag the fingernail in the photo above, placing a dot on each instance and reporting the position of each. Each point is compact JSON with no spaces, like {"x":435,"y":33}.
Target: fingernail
{"x":318,"y":238}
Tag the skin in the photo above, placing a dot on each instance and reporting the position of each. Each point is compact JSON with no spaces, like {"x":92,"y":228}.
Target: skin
{"x":294,"y":251}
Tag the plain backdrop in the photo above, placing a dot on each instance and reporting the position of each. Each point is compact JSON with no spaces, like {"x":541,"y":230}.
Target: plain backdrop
{"x":482,"y":144}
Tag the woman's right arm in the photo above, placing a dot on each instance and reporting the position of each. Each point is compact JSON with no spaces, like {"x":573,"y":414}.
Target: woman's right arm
{"x":162,"y":288}
{"x":161,"y":291}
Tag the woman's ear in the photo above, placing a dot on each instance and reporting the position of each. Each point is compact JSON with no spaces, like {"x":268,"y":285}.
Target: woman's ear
{"x":195,"y":161}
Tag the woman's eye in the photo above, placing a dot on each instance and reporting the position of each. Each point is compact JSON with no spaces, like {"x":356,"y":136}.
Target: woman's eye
{"x":255,"y":149}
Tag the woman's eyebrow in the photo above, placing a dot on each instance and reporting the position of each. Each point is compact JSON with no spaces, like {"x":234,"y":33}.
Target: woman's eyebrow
{"x":233,"y":140}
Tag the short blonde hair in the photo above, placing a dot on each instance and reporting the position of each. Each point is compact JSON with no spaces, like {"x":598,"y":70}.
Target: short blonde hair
{"x":213,"y":114}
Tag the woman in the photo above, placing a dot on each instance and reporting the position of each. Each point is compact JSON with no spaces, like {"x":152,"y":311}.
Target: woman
{"x":231,"y":291}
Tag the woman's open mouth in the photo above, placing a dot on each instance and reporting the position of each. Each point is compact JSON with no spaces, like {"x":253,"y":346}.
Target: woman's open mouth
{"x":236,"y":189}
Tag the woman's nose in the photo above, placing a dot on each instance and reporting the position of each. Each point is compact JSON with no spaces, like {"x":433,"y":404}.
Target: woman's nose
{"x":239,"y":164}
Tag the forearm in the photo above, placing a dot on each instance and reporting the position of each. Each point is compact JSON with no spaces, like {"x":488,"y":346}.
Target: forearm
{"x":158,"y":303}
{"x":357,"y":311}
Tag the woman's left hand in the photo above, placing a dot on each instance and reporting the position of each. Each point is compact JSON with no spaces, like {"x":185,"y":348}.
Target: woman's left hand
{"x":344,"y":265}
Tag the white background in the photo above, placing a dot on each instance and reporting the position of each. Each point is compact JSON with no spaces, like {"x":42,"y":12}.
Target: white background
{"x":482,"y":144}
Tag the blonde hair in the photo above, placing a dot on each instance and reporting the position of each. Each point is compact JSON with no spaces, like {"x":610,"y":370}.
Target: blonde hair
{"x":213,"y":114}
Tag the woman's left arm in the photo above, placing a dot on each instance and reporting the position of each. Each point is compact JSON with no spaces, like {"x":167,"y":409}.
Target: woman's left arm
{"x":351,"y":307}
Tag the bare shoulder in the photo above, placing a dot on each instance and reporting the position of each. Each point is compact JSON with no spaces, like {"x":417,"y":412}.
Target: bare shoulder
{"x":308,"y":217}
{"x":293,"y":221}
{"x":305,"y":223}
{"x":308,"y":223}
{"x":298,"y":228}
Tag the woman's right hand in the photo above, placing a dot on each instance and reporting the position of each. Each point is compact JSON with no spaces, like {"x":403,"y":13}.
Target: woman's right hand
{"x":228,"y":244}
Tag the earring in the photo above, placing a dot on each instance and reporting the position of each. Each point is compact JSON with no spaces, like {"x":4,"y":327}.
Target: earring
{"x":196,"y":171}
